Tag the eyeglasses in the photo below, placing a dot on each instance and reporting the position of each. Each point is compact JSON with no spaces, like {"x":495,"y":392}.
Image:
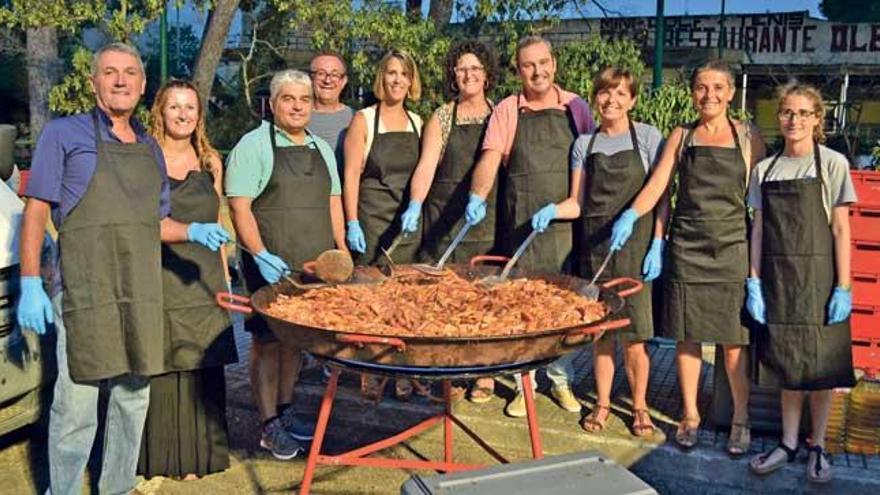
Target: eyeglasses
{"x":473,"y":69}
{"x":321,"y":74}
{"x":791,"y":114}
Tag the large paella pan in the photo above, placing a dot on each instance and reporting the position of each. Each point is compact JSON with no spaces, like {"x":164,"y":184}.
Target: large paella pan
{"x":409,"y":350}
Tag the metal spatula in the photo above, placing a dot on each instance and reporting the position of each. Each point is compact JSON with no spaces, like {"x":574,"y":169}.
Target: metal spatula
{"x":396,"y":242}
{"x":497,"y":279}
{"x":592,"y":291}
{"x":437,"y":270}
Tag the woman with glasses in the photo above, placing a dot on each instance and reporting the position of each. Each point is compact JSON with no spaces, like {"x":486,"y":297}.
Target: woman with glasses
{"x":799,"y":280}
{"x":185,"y":434}
{"x":381,"y":152}
{"x":450,"y":150}
{"x":707,"y":260}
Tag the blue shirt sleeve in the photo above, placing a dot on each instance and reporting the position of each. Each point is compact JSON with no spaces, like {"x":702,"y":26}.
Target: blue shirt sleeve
{"x":47,"y":166}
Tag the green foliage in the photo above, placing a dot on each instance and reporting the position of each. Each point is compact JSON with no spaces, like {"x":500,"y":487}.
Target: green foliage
{"x":578,"y":63}
{"x":875,"y":155}
{"x":666,"y":107}
{"x":74,"y":93}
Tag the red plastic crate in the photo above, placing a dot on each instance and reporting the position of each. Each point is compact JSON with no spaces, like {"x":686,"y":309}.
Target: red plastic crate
{"x":864,"y":223}
{"x":865,"y":322}
{"x":866,"y":356}
{"x":867,"y":184}
{"x":866,"y":288}
{"x":866,"y":256}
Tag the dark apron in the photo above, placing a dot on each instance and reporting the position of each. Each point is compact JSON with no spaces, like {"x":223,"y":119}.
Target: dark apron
{"x":537,"y":174}
{"x":292,"y":213}
{"x":384,"y":186}
{"x":197,"y":331}
{"x":445,"y":205}
{"x":112,"y":268}
{"x":797,"y":270}
{"x":707,"y":260}
{"x":613,"y":181}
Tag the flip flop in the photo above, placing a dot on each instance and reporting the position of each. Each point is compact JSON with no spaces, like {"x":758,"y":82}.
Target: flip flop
{"x":642,"y":426}
{"x":815,"y":472}
{"x":688,"y":432}
{"x":759,"y":464}
{"x":591,"y":422}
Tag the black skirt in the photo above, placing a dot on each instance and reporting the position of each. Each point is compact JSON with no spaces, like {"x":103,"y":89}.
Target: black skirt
{"x":186,"y":431}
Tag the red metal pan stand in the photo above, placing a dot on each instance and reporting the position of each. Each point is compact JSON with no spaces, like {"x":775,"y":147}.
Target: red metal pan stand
{"x":361,"y":455}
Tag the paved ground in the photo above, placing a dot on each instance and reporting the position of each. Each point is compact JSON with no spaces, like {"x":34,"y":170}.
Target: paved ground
{"x":705,"y":470}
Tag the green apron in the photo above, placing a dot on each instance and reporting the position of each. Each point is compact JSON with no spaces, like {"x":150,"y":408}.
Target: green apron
{"x":111,"y":267}
{"x":797,"y":270}
{"x":292,"y":213}
{"x":537,"y":174}
{"x":384,"y":186}
{"x":707,"y":256}
{"x":197,"y":331}
{"x":445,"y":205}
{"x":613,"y":181}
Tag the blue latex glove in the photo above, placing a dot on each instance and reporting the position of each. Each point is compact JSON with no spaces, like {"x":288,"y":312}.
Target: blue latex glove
{"x":652,"y":265}
{"x":623,"y":228}
{"x":410,"y":218}
{"x":755,"y":304}
{"x":271,"y":267}
{"x":475,"y":210}
{"x":34,"y":307}
{"x":840,"y":305}
{"x":542,"y":219}
{"x":210,"y":235}
{"x":354,"y":236}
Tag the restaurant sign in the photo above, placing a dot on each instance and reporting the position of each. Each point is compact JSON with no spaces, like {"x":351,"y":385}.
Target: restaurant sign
{"x":770,"y":38}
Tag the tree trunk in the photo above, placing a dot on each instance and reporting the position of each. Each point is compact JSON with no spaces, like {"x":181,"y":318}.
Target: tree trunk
{"x":42,"y":63}
{"x":441,"y":12}
{"x":213,"y":43}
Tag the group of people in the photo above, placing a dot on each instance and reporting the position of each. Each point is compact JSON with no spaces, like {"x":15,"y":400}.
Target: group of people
{"x":137,"y":216}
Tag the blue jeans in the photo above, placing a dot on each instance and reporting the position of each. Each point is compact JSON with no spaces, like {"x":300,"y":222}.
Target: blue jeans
{"x":73,"y":422}
{"x":559,"y":372}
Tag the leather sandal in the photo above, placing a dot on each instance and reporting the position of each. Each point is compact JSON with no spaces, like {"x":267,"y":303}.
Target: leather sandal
{"x":816,"y":473}
{"x":688,"y":432}
{"x":642,"y":426}
{"x":372,"y":387}
{"x":403,"y":389}
{"x":759,"y":464}
{"x":740,"y":439}
{"x":592,"y":422}
{"x":483,"y":390}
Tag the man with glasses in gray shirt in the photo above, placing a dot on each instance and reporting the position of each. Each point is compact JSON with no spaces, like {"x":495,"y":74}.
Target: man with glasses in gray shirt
{"x":330,"y":117}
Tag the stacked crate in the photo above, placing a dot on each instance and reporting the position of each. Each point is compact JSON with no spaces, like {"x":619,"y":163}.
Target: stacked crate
{"x":865,"y":227}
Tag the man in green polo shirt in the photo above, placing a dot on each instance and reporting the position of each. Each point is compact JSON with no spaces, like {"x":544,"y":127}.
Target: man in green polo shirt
{"x":285,"y":196}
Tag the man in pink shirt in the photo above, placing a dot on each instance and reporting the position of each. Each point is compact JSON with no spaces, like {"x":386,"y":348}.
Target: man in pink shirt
{"x":531,"y":133}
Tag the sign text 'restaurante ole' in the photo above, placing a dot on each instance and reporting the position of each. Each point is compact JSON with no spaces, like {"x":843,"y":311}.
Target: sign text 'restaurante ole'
{"x":789,"y":37}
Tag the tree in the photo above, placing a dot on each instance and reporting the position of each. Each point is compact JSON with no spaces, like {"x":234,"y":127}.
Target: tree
{"x":42,"y":70}
{"x":213,"y":43}
{"x":850,"y":10}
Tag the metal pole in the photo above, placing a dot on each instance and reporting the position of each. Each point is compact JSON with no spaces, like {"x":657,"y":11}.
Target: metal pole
{"x":659,"y":28}
{"x":745,"y":86}
{"x":163,"y":46}
{"x":841,"y":115}
{"x":722,"y":35}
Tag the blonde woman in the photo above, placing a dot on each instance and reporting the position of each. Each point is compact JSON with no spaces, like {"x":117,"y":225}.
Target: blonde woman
{"x":185,"y":434}
{"x":799,"y":280}
{"x":381,"y":153}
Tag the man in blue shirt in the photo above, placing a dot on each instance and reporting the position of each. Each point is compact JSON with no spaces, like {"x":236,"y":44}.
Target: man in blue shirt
{"x":102,"y":178}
